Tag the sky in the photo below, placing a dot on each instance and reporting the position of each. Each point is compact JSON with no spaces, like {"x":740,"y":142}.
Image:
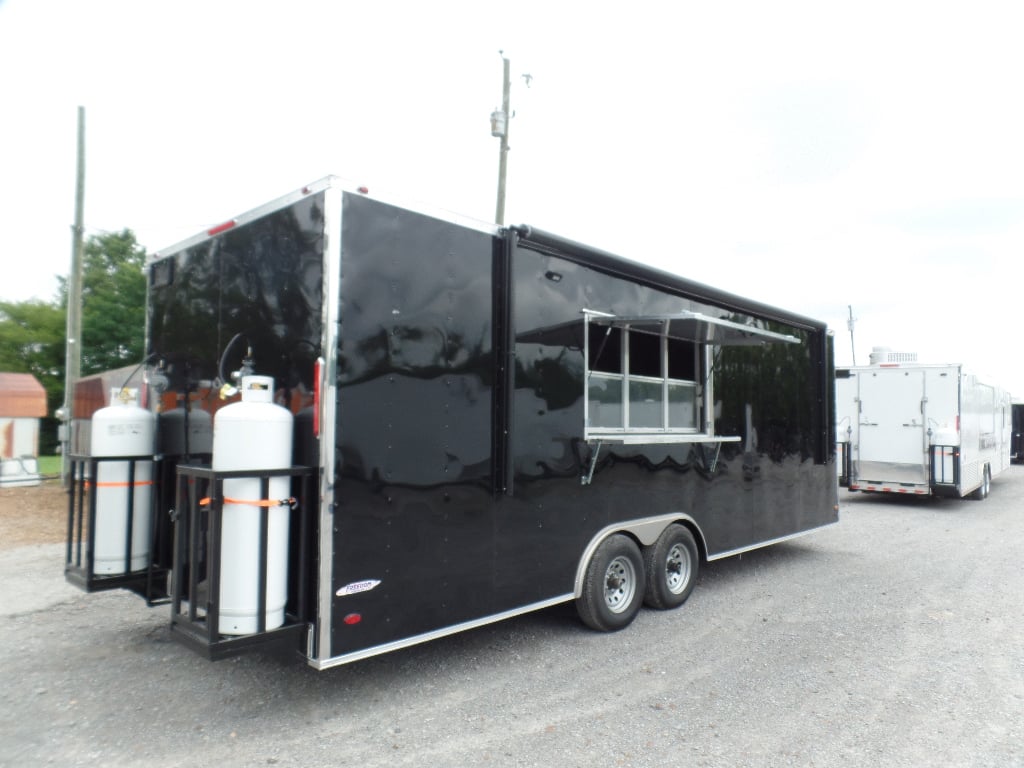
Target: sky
{"x":830,"y":158}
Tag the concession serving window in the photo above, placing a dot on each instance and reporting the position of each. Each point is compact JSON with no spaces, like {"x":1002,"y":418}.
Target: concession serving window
{"x":649,"y":378}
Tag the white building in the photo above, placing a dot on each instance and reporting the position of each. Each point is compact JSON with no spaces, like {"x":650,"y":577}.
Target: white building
{"x":22,"y":403}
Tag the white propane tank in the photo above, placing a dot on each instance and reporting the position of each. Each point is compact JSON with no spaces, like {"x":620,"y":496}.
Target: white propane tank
{"x":123,"y":428}
{"x":253,"y":434}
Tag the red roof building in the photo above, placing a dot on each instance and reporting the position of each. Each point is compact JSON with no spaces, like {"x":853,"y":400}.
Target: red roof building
{"x":21,"y":396}
{"x":22,"y":402}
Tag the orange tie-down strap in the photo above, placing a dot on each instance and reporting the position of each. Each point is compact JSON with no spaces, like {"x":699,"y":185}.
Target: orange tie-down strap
{"x":290,"y":502}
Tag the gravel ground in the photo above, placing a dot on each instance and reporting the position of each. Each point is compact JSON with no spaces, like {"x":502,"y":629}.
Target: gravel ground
{"x":35,"y":514}
{"x":892,"y":639}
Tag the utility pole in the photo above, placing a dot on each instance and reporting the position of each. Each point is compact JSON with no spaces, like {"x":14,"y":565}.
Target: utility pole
{"x":849,"y":324}
{"x":73,"y":345}
{"x":499,"y":128}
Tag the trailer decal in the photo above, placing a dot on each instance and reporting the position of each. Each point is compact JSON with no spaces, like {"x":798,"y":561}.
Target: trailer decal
{"x":357,"y":586}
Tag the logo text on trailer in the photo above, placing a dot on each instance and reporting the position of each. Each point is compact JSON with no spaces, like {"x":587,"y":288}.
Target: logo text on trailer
{"x":356,"y":587}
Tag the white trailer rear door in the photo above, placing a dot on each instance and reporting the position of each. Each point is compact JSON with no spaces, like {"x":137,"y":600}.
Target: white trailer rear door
{"x":892,"y":449}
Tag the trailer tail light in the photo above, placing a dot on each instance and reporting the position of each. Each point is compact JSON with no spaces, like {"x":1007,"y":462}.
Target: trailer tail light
{"x":318,"y":368}
{"x":353,"y":618}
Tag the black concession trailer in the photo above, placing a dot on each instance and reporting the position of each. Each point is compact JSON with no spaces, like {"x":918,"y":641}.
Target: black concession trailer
{"x":1017,"y":432}
{"x":487,"y":421}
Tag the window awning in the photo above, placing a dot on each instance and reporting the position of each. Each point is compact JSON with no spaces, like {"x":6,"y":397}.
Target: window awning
{"x":693,"y":326}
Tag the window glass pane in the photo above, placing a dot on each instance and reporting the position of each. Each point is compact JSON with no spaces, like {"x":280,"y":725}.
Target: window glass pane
{"x":682,"y":406}
{"x":682,"y":360}
{"x":645,"y":405}
{"x":604,"y":349}
{"x":644,"y":354}
{"x":604,"y":404}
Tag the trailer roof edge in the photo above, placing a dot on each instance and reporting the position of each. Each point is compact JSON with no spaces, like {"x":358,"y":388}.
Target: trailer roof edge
{"x":659,"y":278}
{"x":324,"y":183}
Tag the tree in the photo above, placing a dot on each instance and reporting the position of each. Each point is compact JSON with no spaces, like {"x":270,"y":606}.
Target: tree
{"x":33,"y":333}
{"x":113,"y":302}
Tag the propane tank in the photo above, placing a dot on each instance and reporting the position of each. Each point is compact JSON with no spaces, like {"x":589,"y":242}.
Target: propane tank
{"x":183,"y":435}
{"x":122,"y":429}
{"x":253,"y":434}
{"x":306,"y":451}
{"x":182,"y":432}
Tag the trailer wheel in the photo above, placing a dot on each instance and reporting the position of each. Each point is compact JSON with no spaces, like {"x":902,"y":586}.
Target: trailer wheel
{"x":985,"y":488}
{"x":671,"y":565}
{"x":613,"y":585}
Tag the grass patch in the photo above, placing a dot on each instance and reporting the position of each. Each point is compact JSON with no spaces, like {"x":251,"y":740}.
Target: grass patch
{"x":49,"y":465}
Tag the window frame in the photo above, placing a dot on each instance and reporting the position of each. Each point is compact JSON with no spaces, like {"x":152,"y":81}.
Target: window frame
{"x":706,"y":333}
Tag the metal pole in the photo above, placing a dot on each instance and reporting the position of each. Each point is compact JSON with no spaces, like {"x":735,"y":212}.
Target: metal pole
{"x":499,"y":215}
{"x":73,"y":343}
{"x":853,"y":350}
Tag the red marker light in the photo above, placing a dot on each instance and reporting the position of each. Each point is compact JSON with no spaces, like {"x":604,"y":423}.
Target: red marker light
{"x":363,"y":190}
{"x":221,"y":228}
{"x":353,"y":618}
{"x":317,"y":369}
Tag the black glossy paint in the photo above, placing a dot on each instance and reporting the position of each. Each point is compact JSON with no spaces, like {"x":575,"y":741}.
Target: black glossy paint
{"x":262,"y":280}
{"x":1017,"y":433}
{"x":773,"y":483}
{"x":415,"y":490}
{"x":459,"y":412}
{"x":460,"y":423}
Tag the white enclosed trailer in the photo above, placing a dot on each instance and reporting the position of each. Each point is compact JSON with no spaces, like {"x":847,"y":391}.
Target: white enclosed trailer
{"x":915,"y":428}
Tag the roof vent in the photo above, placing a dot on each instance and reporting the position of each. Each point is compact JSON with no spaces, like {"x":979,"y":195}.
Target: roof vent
{"x":885,"y":356}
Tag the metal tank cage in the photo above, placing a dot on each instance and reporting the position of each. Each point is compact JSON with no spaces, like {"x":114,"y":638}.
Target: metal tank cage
{"x":196,"y":569}
{"x":79,"y":562}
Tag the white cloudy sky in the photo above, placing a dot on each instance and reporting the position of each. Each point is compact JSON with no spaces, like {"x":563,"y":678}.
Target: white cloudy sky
{"x":813,"y":155}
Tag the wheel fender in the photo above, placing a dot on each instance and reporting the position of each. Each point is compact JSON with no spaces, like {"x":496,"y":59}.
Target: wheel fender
{"x":645,"y":531}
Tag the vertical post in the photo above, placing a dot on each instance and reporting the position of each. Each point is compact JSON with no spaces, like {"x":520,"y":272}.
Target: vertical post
{"x":73,"y":342}
{"x":499,"y":215}
{"x":849,"y":323}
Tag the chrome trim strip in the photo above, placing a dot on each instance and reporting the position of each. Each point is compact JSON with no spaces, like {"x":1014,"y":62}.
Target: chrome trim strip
{"x":243,"y":218}
{"x":328,"y":415}
{"x":326,"y":183}
{"x":416,"y":206}
{"x":768,"y":543}
{"x":640,"y":437}
{"x":377,"y":650}
{"x":686,"y":314}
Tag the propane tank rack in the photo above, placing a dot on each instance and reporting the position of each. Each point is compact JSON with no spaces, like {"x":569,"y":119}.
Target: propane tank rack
{"x":196,"y":574}
{"x":80,"y":562}
{"x":945,"y":467}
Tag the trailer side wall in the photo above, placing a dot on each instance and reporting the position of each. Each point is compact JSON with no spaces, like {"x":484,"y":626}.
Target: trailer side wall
{"x":414,"y":485}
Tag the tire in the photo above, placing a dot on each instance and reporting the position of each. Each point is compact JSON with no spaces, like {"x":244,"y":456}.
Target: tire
{"x":613,"y":585}
{"x":982,"y":492}
{"x":671,"y":565}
